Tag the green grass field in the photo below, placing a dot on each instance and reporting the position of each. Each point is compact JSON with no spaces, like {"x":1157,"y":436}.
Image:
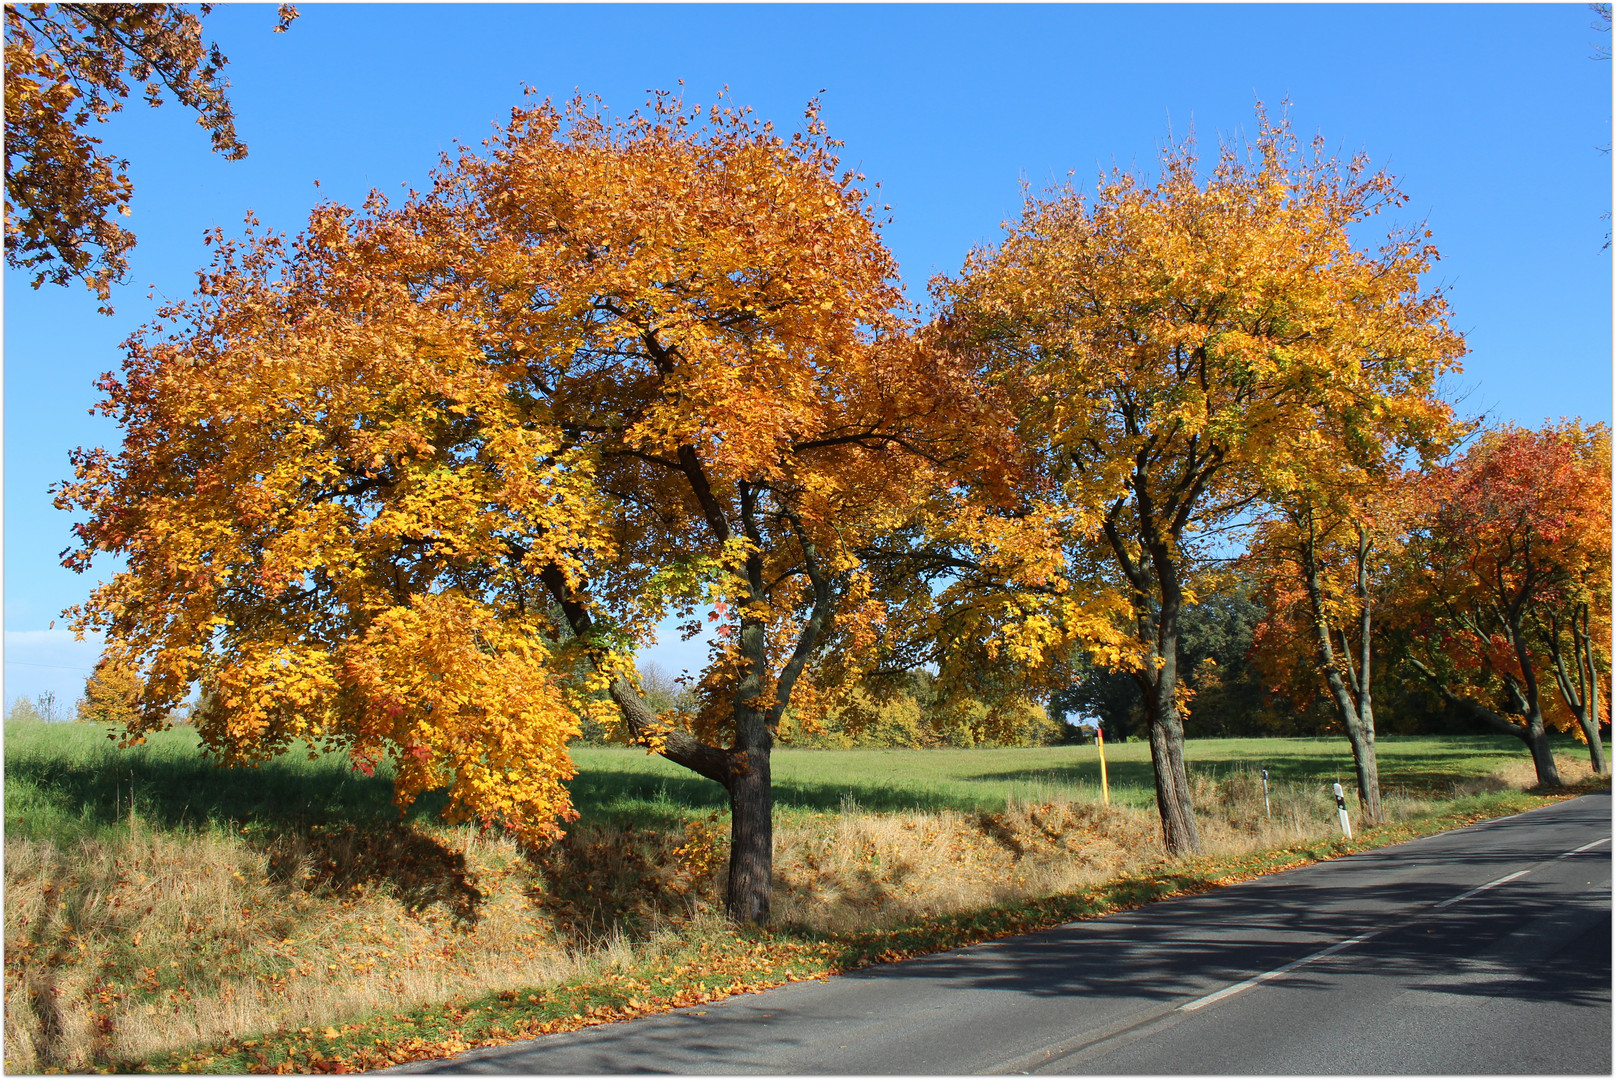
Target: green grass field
{"x":622,"y":780}
{"x":65,"y":781}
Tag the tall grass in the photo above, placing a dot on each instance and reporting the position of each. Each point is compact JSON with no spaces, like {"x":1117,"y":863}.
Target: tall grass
{"x":155,"y":901}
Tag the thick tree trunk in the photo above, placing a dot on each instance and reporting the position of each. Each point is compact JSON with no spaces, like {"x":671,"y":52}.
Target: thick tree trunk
{"x":1537,"y":740}
{"x":1179,"y":833}
{"x":1596,"y":743}
{"x":751,"y":844}
{"x":1362,"y":738}
{"x":1526,"y":696}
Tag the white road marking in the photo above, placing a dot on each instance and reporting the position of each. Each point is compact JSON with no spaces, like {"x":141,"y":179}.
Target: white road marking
{"x":1230,"y":991}
{"x":1481,"y":889}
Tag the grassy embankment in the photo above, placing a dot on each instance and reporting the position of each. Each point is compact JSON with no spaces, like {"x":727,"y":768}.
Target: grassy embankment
{"x":165,"y":914}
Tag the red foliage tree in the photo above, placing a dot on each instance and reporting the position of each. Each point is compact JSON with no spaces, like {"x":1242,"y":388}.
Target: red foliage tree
{"x":1512,"y":581}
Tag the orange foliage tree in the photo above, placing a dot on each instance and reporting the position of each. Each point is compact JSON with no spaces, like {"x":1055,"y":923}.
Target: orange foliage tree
{"x":1325,"y":560}
{"x":67,"y":64}
{"x":1171,"y":351}
{"x":1511,"y":579}
{"x":418,"y":483}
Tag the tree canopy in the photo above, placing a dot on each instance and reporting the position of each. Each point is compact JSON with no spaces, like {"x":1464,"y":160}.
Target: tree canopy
{"x":1176,"y":349}
{"x":1510,"y":584}
{"x":68,"y":64}
{"x":417,"y":482}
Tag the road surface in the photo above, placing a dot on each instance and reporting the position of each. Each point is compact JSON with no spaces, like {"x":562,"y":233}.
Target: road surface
{"x":1484,"y":950}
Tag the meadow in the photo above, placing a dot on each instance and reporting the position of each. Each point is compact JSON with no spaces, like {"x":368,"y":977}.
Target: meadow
{"x":156,"y":903}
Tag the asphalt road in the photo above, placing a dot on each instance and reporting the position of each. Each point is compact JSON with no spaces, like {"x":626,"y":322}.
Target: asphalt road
{"x":1485,"y":950}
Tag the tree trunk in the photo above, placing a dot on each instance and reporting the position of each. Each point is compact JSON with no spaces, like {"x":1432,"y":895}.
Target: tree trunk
{"x":751,"y":805}
{"x":1535,"y":739}
{"x":1548,"y":775}
{"x":1362,"y":738}
{"x":1179,"y":833}
{"x":1353,"y":703}
{"x":1526,"y":696}
{"x":1581,"y":693}
{"x":751,"y":843}
{"x":1588,"y":717}
{"x":1596,"y":744}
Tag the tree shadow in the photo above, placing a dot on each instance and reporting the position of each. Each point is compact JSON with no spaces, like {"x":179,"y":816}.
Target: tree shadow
{"x":322,"y":828}
{"x":618,"y":794}
{"x":345,"y":859}
{"x":601,"y":878}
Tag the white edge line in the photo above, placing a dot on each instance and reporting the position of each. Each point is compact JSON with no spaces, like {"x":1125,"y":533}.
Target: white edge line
{"x":1228,"y":991}
{"x":1480,"y":889}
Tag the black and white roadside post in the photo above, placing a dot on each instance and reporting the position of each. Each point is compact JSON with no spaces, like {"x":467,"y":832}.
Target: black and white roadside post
{"x":1341,"y":808}
{"x":1265,"y":811}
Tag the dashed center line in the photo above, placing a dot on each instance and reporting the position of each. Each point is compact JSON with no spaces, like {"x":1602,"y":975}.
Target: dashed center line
{"x":1230,"y":991}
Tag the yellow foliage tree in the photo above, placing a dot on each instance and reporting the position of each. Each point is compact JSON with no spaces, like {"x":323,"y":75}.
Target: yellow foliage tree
{"x":1325,"y":554}
{"x":111,"y":695}
{"x":1174,"y":349}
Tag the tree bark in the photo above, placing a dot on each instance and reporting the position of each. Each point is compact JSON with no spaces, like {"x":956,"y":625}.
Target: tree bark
{"x":751,"y":845}
{"x":743,"y":769}
{"x":1527,"y":695}
{"x":1548,"y":774}
{"x":1580,"y":691}
{"x":1173,"y":802}
{"x":751,"y":821}
{"x":1179,"y":832}
{"x":1536,"y":740}
{"x":1352,"y":702}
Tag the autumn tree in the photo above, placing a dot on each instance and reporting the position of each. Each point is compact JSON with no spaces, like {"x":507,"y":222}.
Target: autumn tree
{"x":111,"y":695}
{"x":419,"y":482}
{"x":1168,"y":347}
{"x":1326,"y":554}
{"x":69,"y":64}
{"x":1511,"y":582}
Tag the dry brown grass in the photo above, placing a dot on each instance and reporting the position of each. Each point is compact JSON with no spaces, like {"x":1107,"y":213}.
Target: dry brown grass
{"x":120,"y":948}
{"x":1521,"y":775}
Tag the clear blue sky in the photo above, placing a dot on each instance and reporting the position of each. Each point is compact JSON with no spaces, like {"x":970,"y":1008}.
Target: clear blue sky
{"x":1493,"y":116}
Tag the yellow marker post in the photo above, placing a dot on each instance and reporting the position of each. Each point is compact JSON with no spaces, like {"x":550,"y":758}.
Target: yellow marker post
{"x":1105,"y":784}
